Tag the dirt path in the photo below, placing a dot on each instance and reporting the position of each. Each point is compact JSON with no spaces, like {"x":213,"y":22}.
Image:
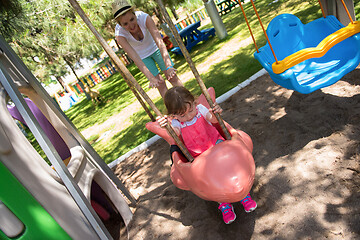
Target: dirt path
{"x":307,"y":183}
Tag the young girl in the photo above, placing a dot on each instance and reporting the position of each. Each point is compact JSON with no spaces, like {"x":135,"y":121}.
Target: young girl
{"x":193,"y":122}
{"x":137,"y":34}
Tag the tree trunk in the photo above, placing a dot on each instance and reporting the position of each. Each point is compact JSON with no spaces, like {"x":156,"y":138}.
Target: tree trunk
{"x":62,"y":83}
{"x":79,"y":82}
{"x":173,"y":11}
{"x":158,"y":15}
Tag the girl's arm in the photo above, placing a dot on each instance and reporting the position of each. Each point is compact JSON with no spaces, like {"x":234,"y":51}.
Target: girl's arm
{"x":122,"y":41}
{"x":150,"y":25}
{"x":210,"y":116}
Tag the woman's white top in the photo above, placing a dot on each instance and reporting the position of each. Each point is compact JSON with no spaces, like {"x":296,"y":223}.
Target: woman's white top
{"x":144,"y":47}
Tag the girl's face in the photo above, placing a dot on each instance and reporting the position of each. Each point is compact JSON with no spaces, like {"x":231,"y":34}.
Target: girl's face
{"x":128,"y":21}
{"x":188,"y":115}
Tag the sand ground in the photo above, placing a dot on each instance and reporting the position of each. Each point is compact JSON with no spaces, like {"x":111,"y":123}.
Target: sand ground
{"x":307,"y":183}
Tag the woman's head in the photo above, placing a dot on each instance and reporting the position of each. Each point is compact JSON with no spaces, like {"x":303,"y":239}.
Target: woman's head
{"x":124,"y":14}
{"x":120,"y":7}
{"x":181,"y":103}
{"x":128,"y":21}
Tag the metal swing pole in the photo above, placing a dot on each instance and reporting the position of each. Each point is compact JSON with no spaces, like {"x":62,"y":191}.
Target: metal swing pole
{"x":192,"y":66}
{"x":128,"y":76}
{"x":325,"y":11}
{"x":347,"y":12}
{"x":322,"y":9}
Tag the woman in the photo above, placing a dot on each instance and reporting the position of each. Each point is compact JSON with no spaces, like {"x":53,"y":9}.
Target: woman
{"x":137,"y":34}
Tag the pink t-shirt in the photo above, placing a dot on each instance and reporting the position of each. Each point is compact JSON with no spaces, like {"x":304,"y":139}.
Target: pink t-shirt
{"x":198,"y":134}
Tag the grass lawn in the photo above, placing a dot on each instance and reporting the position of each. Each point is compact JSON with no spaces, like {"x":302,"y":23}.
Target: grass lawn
{"x":222,"y":76}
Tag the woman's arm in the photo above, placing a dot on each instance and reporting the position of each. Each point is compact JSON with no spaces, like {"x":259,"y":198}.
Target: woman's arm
{"x":150,"y":25}
{"x":122,"y":41}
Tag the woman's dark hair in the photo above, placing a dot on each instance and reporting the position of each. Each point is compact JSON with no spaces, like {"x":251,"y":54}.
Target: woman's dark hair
{"x":177,"y":100}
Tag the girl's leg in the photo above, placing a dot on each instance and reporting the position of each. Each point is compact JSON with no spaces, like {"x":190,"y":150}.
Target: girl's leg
{"x":227,"y":211}
{"x":248,"y":203}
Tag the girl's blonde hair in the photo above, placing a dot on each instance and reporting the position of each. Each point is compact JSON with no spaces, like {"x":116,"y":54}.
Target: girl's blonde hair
{"x":177,"y":100}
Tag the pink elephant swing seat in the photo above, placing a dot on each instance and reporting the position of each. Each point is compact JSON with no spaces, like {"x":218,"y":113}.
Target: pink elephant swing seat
{"x":223,"y":173}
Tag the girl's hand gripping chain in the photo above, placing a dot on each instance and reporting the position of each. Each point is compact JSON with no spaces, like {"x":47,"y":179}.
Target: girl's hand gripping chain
{"x":216,"y":109}
{"x":163,"y":121}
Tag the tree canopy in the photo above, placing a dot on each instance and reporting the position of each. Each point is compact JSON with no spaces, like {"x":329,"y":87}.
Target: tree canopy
{"x":49,"y":36}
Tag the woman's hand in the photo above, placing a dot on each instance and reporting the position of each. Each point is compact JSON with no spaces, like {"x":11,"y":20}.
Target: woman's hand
{"x":163,"y":121}
{"x":154,"y":82}
{"x":170,"y":73}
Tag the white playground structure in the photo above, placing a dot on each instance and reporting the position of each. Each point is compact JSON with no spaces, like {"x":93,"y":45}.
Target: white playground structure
{"x":64,"y":194}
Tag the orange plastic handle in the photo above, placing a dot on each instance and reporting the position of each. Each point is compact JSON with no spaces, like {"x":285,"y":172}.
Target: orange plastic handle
{"x":325,"y":45}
